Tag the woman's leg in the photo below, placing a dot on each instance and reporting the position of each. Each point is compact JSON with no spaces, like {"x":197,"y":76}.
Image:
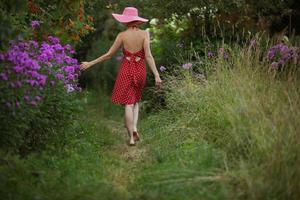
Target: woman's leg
{"x":129,"y":121}
{"x":135,"y":115}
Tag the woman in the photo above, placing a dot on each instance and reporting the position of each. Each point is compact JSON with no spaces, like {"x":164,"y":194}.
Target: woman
{"x":131,"y":77}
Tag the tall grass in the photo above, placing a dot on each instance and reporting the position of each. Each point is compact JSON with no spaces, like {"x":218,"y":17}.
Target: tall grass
{"x":248,"y":113}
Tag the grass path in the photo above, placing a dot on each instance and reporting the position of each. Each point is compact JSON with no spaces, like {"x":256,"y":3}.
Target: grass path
{"x":123,"y":174}
{"x":160,"y":165}
{"x":131,"y":156}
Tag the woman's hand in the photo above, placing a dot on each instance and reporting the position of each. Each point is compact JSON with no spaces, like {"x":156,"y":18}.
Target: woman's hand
{"x":85,"y":65}
{"x":157,"y":81}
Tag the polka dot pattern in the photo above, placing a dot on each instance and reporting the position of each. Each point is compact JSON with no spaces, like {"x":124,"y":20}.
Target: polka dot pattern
{"x":130,"y":79}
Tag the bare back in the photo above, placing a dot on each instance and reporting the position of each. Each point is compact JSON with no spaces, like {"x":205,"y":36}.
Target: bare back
{"x":133,"y":39}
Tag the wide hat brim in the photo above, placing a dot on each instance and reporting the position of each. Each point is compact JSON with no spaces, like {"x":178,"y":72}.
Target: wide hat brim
{"x":128,"y":18}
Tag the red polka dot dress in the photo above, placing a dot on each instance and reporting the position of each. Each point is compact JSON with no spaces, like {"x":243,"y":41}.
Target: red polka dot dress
{"x":130,"y":79}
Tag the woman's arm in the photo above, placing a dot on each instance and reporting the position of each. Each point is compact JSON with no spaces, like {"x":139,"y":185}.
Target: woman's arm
{"x":116,"y":45}
{"x":150,"y":59}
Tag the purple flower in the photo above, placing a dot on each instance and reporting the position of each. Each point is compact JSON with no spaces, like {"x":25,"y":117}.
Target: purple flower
{"x":70,"y":77}
{"x":162,"y":68}
{"x":281,"y":54}
{"x":18,"y":69}
{"x":3,"y":76}
{"x":52,"y":83}
{"x":2,"y":57}
{"x":42,"y":80}
{"x":17,"y":103}
{"x":59,"y":76}
{"x":280,"y":62}
{"x":18,"y":84}
{"x":271,"y":54}
{"x":69,"y":69}
{"x":33,"y":44}
{"x":38,"y":98}
{"x":35,"y":24}
{"x":57,"y":47}
{"x":53,"y":40}
{"x":33,"y":103}
{"x":226,"y":56}
{"x":70,"y":88}
{"x":221,"y":50}
{"x":33,"y":74}
{"x":59,"y":60}
{"x":187,"y":65}
{"x":8,"y":104}
{"x":210,"y":54}
{"x":70,"y":61}
{"x":26,"y":98}
{"x":32,"y":82}
{"x":68,"y":47}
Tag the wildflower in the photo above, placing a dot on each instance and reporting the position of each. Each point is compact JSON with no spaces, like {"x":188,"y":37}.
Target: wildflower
{"x":18,"y":84}
{"x":253,"y":43}
{"x":2,"y":57}
{"x":53,"y":40}
{"x":59,"y":76}
{"x":281,"y":54}
{"x":69,"y":69}
{"x":26,"y":98}
{"x":38,"y":98}
{"x":70,"y":88}
{"x":17,"y":103}
{"x":32,"y":82}
{"x":210,"y":54}
{"x":18,"y":69}
{"x":42,"y":80}
{"x":33,"y":103}
{"x":162,"y":68}
{"x":8,"y":104}
{"x":187,"y":65}
{"x":3,"y":76}
{"x":35,"y":24}
{"x":221,"y":50}
{"x":226,"y":56}
{"x":70,"y":76}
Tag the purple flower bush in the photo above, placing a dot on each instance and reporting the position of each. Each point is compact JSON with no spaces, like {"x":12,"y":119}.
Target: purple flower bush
{"x":38,"y":83}
{"x":280,"y":54}
{"x":29,"y":68}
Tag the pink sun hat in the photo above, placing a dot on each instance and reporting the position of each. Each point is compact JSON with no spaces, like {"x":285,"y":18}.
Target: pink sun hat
{"x":129,"y":14}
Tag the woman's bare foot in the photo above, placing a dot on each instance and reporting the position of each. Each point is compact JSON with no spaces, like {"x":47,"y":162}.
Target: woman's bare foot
{"x":131,"y":142}
{"x":136,"y":136}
